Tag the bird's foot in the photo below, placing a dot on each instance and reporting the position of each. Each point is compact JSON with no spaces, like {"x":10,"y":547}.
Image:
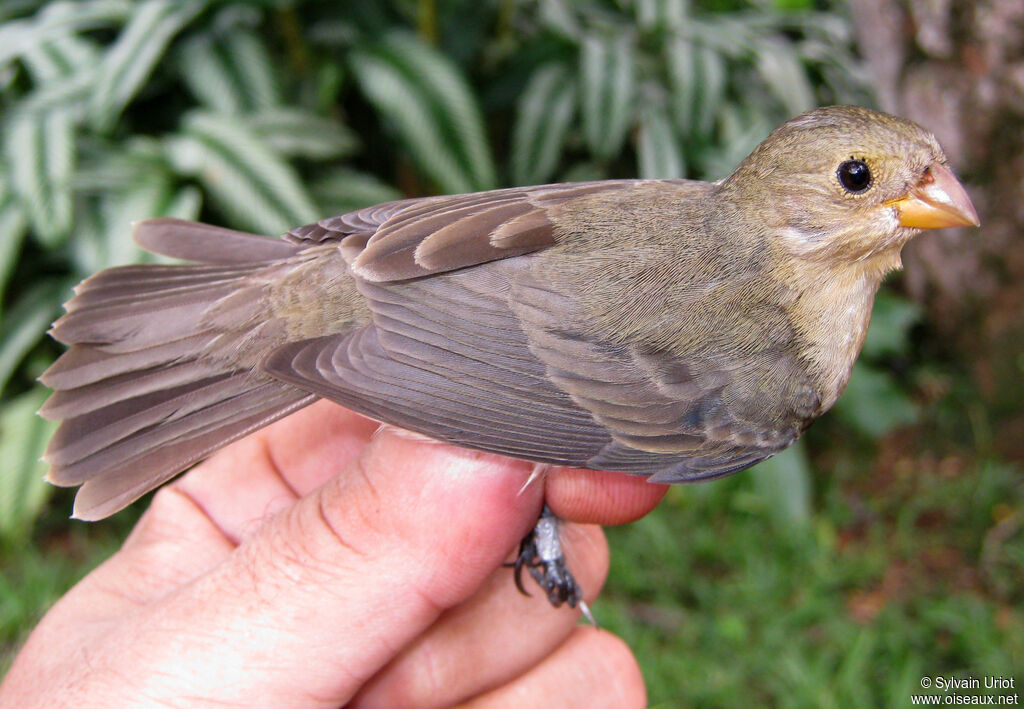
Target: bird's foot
{"x":541,"y":554}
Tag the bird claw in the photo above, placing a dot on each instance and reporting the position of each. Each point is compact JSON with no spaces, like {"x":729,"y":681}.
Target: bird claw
{"x":541,"y":554}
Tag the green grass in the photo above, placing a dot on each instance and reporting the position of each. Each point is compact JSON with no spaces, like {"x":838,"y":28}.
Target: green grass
{"x":898,"y":576}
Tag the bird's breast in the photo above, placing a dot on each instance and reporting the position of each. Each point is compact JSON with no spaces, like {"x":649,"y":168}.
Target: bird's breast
{"x":832,"y":320}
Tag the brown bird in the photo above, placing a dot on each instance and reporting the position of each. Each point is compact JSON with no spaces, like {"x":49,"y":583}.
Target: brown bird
{"x":676,"y":329}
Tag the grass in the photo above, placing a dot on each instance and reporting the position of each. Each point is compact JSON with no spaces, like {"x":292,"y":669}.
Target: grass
{"x":898,"y":576}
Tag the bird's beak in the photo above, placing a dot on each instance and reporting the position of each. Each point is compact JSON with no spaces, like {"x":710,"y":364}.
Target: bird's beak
{"x":937,"y":201}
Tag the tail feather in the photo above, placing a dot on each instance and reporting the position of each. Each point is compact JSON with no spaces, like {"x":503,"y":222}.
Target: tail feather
{"x":129,"y":330}
{"x":191,"y":241}
{"x":87,"y":364}
{"x":78,"y":440}
{"x":139,"y":394}
{"x":120,"y":485}
{"x":104,"y":301}
{"x":135,"y":385}
{"x":147,"y":278}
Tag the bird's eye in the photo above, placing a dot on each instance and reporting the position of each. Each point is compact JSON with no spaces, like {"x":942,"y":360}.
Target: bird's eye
{"x":854,"y":176}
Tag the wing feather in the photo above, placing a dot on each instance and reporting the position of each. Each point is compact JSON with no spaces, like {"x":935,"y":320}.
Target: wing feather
{"x":419,"y":237}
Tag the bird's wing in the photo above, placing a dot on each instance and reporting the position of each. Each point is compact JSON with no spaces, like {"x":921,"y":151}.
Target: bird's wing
{"x":447,"y":358}
{"x":486,"y":357}
{"x":418,"y":237}
{"x":678,"y":416}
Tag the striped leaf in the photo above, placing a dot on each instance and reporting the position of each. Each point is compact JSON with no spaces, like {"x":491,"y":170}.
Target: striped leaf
{"x":145,"y":199}
{"x":711,"y":83}
{"x":543,"y":118}
{"x":683,"y":79}
{"x":658,"y":150}
{"x":103,"y":234}
{"x":343,"y":190}
{"x":23,"y":438}
{"x":431,"y":107}
{"x":607,"y":87}
{"x":230,"y":72}
{"x":58,"y":19}
{"x":557,"y":16}
{"x":68,"y":94}
{"x":62,"y":56}
{"x":41,"y":154}
{"x":26,"y":323}
{"x":298,"y":133}
{"x":452,"y":101}
{"x":249,"y":181}
{"x":785,"y":76}
{"x":666,"y":15}
{"x":131,"y":59}
{"x":13,"y":228}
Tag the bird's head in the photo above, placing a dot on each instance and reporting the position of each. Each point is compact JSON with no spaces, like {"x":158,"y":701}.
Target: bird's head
{"x":844,"y":183}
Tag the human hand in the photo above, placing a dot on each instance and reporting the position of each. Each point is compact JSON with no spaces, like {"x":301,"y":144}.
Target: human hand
{"x":318,"y":563}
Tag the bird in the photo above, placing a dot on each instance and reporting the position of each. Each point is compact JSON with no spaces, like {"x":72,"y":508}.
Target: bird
{"x":676,"y":329}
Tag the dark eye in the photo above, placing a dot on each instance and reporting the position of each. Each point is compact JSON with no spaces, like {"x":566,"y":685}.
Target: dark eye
{"x":854,"y":176}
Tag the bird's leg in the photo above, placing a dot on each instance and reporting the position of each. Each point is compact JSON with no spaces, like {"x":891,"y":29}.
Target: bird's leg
{"x":541,"y":554}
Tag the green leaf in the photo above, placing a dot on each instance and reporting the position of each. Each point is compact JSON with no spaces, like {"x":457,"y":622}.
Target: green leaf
{"x":183,"y":204}
{"x":401,"y":101}
{"x":784,"y":483}
{"x":607,"y":86}
{"x":433,"y":109}
{"x":13,"y":227}
{"x":585,"y":172}
{"x":740,"y":129}
{"x":61,"y":57}
{"x":142,"y":201}
{"x":664,"y":15}
{"x":295,"y":132}
{"x":68,"y":94}
{"x":23,"y":439}
{"x":132,"y":58}
{"x":784,"y":74}
{"x":453,"y":104}
{"x":153,"y":195}
{"x":116,"y":168}
{"x":544,"y":115}
{"x":874,"y":403}
{"x":683,"y":78}
{"x":247,"y":179}
{"x":26,"y":323}
{"x":58,"y":19}
{"x":41,"y":152}
{"x":103,"y":235}
{"x":557,"y":16}
{"x":657,"y":147}
{"x":344,"y":190}
{"x":63,"y":74}
{"x":711,"y":83}
{"x":231,"y":72}
{"x":891,"y":321}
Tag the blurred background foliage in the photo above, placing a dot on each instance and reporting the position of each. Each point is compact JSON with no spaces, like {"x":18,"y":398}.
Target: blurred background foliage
{"x":886,"y":547}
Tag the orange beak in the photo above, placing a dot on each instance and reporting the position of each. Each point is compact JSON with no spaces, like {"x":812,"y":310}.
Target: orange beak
{"x":937,"y":201}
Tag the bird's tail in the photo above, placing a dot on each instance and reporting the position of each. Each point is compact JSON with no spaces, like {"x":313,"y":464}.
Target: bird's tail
{"x":138,"y":395}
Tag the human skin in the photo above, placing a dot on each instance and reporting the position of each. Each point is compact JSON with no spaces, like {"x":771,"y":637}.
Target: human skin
{"x":325,"y":561}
